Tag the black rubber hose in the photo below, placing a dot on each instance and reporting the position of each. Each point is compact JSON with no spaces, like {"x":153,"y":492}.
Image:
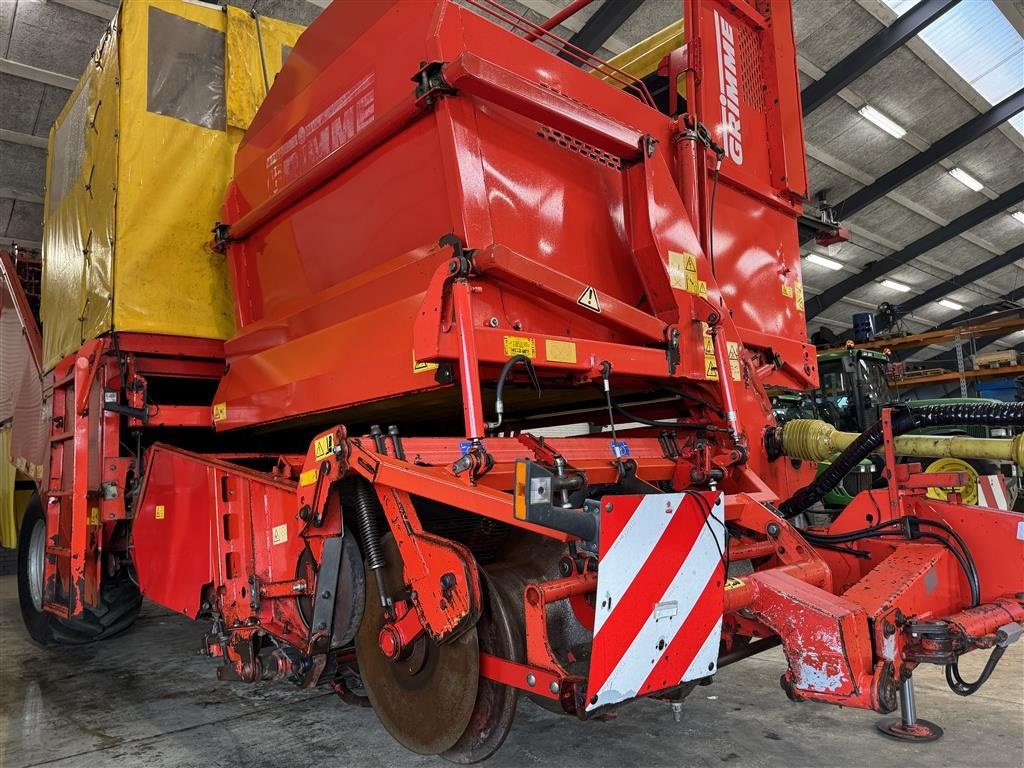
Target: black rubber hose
{"x":904,"y":420}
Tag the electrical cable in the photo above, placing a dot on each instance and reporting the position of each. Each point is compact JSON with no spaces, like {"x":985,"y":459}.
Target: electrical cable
{"x":711,"y":214}
{"x":663,"y":424}
{"x":709,"y":512}
{"x":695,"y":398}
{"x":961,"y":687}
{"x":910,"y":529}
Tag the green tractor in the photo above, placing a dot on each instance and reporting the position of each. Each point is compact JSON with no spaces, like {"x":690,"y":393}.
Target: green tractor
{"x":853,"y":388}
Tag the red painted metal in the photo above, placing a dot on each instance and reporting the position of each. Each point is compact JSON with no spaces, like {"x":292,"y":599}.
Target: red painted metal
{"x":398,"y":227}
{"x":560,"y":16}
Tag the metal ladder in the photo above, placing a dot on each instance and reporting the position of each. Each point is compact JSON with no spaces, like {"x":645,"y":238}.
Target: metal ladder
{"x":67,"y":503}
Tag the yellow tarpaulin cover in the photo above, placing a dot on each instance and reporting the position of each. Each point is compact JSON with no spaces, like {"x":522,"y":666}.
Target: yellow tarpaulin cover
{"x":139,"y":161}
{"x":12,"y":502}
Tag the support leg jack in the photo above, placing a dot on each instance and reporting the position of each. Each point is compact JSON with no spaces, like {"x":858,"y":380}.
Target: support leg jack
{"x":907,"y":727}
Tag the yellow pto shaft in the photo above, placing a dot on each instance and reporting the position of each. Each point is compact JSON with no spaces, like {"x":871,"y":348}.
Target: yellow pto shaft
{"x":818,"y":441}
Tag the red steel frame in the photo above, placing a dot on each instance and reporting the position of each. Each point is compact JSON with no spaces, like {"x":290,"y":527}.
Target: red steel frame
{"x":208,"y":533}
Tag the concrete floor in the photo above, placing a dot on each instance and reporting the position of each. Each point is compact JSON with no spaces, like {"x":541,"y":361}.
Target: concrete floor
{"x":145,"y":698}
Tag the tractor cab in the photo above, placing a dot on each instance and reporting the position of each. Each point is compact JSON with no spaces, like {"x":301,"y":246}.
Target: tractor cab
{"x":853,"y":388}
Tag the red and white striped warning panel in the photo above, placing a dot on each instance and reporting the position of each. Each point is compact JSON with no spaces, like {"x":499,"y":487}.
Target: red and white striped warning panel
{"x":992,"y":492}
{"x":660,"y":594}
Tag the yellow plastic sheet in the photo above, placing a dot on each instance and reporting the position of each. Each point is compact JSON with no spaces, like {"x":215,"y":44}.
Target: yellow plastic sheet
{"x":139,"y":162}
{"x":8,"y":523}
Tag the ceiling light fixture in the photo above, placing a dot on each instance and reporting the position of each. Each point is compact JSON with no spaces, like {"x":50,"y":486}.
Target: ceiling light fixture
{"x":1019,"y":216}
{"x":824,"y":261}
{"x":872,"y":115}
{"x":966,"y":179}
{"x":896,"y":285}
{"x":950,"y":304}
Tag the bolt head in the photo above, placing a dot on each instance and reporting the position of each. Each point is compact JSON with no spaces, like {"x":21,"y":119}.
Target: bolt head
{"x":531,"y":679}
{"x":554,"y":687}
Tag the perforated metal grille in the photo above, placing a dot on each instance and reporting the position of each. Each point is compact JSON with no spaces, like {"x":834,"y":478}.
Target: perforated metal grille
{"x":749,"y":64}
{"x":588,"y":151}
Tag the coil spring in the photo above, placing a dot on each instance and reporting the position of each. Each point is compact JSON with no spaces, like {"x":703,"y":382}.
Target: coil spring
{"x":366,"y":508}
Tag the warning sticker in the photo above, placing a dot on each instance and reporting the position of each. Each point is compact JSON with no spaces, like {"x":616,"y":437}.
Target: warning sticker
{"x":702,"y":288}
{"x":280,"y":534}
{"x":520,"y":345}
{"x":560,"y":351}
{"x":159,"y":514}
{"x":798,"y":298}
{"x":734,"y":359}
{"x":220,"y":411}
{"x":692,"y":283}
{"x":418,"y":367}
{"x":733,"y":583}
{"x":787,"y":291}
{"x":589,"y":299}
{"x":94,"y":516}
{"x":709,"y":346}
{"x":710,"y":367}
{"x":323,"y":446}
{"x":677,"y":270}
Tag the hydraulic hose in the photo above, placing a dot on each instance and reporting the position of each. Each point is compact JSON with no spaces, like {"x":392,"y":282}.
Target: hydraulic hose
{"x":903,"y":420}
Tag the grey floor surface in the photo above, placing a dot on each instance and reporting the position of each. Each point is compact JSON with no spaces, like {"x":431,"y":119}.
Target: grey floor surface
{"x":146,"y":699}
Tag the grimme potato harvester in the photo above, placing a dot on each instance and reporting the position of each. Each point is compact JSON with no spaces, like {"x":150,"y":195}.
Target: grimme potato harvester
{"x":446,"y":243}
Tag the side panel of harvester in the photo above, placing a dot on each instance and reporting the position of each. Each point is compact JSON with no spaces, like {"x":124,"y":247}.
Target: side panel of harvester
{"x":344,"y":188}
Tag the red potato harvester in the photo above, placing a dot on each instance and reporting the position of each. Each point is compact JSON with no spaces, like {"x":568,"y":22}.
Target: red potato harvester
{"x":437,"y":224}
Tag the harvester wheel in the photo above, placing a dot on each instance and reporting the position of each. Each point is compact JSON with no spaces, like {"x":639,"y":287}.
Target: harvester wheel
{"x":120,"y":599}
{"x":425,"y":701}
{"x":495,"y":707}
{"x":973,"y":468}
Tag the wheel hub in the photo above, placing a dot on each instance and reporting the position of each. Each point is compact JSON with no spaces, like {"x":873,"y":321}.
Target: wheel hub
{"x":36,"y":563}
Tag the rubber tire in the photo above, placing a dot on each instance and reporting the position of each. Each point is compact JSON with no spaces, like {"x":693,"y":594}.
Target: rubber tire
{"x":120,"y":599}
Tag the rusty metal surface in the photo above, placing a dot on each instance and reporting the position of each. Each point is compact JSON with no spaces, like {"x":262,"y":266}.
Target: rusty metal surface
{"x":427,"y":700}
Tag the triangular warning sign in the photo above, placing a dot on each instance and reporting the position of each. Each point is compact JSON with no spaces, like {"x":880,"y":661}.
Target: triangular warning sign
{"x":691,"y":262}
{"x":589,"y":299}
{"x":710,"y":367}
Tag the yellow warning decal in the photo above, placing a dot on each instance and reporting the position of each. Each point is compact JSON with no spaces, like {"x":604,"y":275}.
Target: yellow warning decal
{"x":159,"y":514}
{"x":710,"y":367}
{"x":279,"y":534}
{"x":798,"y":298}
{"x":418,"y":367}
{"x":94,"y":516}
{"x":677,"y":270}
{"x":787,"y":291}
{"x":734,"y":583}
{"x":323,"y":446}
{"x":520,"y":345}
{"x":702,"y":288}
{"x":705,"y":333}
{"x":220,"y":411}
{"x":692,"y":283}
{"x":589,"y":299}
{"x":560,"y":351}
{"x":308,"y":477}
{"x":734,"y":359}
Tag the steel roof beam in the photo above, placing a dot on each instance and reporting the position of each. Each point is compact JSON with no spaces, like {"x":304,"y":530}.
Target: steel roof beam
{"x":604,"y":23}
{"x":886,"y":264}
{"x":872,"y":51}
{"x":955,"y":140}
{"x":38,"y":75}
{"x":987,"y":267}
